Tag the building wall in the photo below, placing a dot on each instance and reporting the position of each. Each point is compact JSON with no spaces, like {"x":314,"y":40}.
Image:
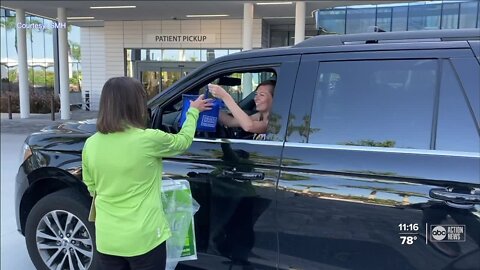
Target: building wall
{"x":106,"y":45}
{"x":93,"y":63}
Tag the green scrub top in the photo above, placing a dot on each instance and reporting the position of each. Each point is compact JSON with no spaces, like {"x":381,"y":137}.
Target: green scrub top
{"x":124,"y":169}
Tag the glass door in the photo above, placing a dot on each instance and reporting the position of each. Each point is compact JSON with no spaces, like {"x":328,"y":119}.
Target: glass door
{"x":158,"y":76}
{"x":169,"y":76}
{"x":151,"y":82}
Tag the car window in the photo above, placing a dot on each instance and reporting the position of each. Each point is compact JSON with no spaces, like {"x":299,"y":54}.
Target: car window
{"x":240,"y":85}
{"x":456,"y":129}
{"x":385,"y":103}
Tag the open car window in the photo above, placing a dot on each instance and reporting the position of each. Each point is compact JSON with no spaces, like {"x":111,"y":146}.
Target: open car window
{"x":240,"y":85}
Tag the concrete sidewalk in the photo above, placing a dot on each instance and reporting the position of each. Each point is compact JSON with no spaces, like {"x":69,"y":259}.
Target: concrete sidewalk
{"x":36,"y":122}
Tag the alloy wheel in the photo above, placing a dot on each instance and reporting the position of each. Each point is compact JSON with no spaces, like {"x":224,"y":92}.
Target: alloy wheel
{"x":64,"y":242}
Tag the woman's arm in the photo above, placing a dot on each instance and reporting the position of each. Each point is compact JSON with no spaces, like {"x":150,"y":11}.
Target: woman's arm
{"x":167,"y":144}
{"x":240,"y":118}
{"x":228,"y":120}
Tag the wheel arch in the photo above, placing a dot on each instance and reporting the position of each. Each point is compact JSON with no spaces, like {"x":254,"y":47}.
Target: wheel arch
{"x":43,"y":182}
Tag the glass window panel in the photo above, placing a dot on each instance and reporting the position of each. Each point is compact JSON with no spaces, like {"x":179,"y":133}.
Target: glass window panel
{"x":291,"y":38}
{"x":38,"y":80}
{"x":192,"y":55}
{"x":75,"y":79}
{"x":7,"y":79}
{"x":4,"y":73}
{"x":171,"y":55}
{"x":13,"y":74}
{"x":424,"y":16}
{"x":3,"y":40}
{"x":10,"y":37}
{"x":456,"y":125}
{"x":37,"y":40}
{"x":233,"y":51}
{"x":143,"y":54}
{"x":450,"y":16}
{"x":468,"y":14}
{"x":399,"y":18}
{"x":50,"y":78}
{"x":374,"y":103}
{"x":128,"y":54}
{"x":136,"y":54}
{"x":211,"y":54}
{"x":74,"y":34}
{"x":29,"y":40}
{"x":151,"y":82}
{"x":75,"y":52}
{"x":48,"y":41}
{"x":155,"y":55}
{"x":359,"y":20}
{"x":332,"y":20}
{"x":128,"y":60}
{"x":278,"y":38}
{"x":10,"y":13}
{"x":384,"y":18}
{"x":203,"y":55}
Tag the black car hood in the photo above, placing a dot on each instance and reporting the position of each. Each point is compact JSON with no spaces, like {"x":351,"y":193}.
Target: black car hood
{"x":69,"y":136}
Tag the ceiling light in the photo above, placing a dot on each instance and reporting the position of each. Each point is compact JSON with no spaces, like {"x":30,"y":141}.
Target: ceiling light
{"x":112,"y":7}
{"x":273,"y":3}
{"x":206,"y":15}
{"x":286,"y":17}
{"x":80,"y":18}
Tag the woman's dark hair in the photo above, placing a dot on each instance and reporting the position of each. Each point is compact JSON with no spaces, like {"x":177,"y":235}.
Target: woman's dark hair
{"x":268,"y":82}
{"x":123,"y":104}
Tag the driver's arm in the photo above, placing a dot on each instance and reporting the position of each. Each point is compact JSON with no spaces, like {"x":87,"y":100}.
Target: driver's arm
{"x":228,"y":120}
{"x":242,"y":119}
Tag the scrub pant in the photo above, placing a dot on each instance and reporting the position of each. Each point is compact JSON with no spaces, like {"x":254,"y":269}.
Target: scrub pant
{"x":155,"y":259}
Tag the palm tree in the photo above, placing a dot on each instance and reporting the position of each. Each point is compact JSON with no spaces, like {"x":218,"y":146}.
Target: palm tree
{"x":10,"y":23}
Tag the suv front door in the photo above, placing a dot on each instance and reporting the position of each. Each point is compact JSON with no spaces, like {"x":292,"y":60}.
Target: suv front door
{"x":234,"y":180}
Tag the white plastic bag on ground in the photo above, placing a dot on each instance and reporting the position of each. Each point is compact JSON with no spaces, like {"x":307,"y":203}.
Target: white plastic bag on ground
{"x":179,"y":207}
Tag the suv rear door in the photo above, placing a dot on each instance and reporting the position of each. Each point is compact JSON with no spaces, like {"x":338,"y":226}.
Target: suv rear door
{"x":362,"y":158}
{"x":234,"y":180}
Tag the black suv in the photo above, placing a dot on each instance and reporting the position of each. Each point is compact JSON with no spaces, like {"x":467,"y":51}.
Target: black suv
{"x":371,"y":161}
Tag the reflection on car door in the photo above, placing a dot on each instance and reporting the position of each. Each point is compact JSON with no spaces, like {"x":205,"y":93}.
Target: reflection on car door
{"x":358,"y":175}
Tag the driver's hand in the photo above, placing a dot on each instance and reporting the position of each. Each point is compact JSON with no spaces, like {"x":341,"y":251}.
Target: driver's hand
{"x":217,"y":91}
{"x":202,"y":104}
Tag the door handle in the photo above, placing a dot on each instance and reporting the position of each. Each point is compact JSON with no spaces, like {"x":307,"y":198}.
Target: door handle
{"x":454,"y":197}
{"x":243,"y":176}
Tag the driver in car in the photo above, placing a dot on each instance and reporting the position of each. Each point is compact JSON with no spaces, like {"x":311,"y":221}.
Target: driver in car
{"x":256,"y":123}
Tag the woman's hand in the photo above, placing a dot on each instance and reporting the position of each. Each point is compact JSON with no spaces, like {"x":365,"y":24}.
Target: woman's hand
{"x":217,"y":91}
{"x":202,"y":104}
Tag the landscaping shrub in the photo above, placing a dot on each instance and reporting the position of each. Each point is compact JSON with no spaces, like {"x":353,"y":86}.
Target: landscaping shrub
{"x":39,"y":103}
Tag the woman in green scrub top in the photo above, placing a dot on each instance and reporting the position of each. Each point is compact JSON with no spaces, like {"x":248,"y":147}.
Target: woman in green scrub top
{"x":122,"y":167}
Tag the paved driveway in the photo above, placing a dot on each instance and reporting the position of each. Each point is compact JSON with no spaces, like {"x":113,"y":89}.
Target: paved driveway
{"x":13,"y":249}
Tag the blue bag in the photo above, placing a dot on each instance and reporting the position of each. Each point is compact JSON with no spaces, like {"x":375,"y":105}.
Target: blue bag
{"x":207,"y":120}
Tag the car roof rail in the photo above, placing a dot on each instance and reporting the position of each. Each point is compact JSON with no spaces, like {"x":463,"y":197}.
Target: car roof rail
{"x":391,"y":37}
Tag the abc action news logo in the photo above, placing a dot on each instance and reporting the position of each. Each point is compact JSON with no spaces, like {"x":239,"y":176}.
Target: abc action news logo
{"x":447,"y":233}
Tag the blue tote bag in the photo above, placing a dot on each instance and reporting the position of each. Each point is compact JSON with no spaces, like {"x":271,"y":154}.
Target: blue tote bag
{"x":207,"y":120}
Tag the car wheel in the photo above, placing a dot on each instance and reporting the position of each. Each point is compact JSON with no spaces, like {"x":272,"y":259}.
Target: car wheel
{"x":58,"y":233}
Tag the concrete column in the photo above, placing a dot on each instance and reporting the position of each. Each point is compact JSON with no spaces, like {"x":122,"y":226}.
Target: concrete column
{"x":24,"y":92}
{"x":247,"y":26}
{"x":63,"y":64}
{"x":299,"y":22}
{"x":247,"y":86}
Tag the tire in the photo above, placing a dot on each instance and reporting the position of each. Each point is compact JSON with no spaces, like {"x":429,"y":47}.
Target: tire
{"x":58,"y":233}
